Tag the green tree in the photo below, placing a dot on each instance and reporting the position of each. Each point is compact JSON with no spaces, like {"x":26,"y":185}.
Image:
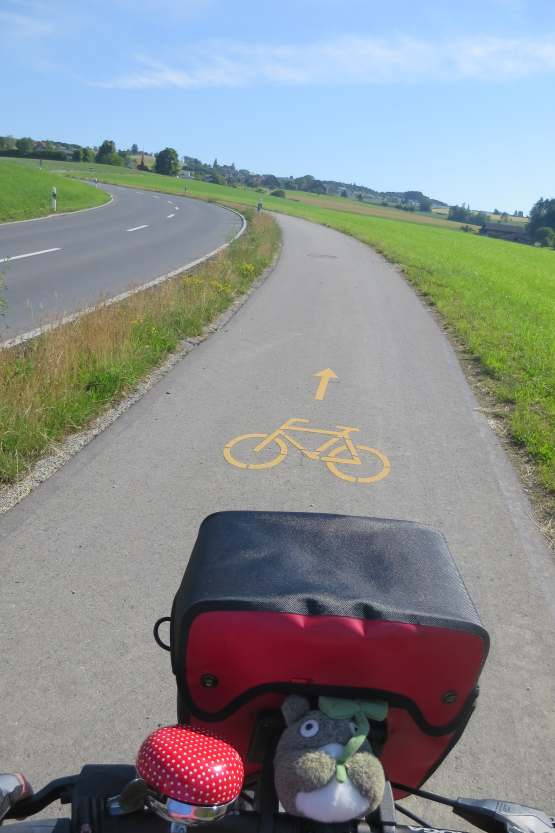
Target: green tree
{"x":545,"y":236}
{"x":25,"y":145}
{"x":425,"y":204}
{"x":459,"y":213}
{"x":218,"y":179}
{"x":167,"y":162}
{"x":360,"y":197}
{"x":344,"y":193}
{"x":77,"y":154}
{"x":106,"y":149}
{"x":88,"y":155}
{"x":542,"y":215}
{"x":50,"y":146}
{"x":112,"y":159}
{"x":134,"y":149}
{"x":3,"y":143}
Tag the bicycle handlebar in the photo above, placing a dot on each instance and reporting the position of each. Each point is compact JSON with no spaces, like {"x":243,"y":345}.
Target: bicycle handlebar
{"x":94,"y":807}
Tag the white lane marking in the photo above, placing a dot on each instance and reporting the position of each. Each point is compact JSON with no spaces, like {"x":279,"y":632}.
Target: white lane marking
{"x":31,"y":254}
{"x":176,"y":208}
{"x":170,"y":215}
{"x":118,"y":298}
{"x":156,"y":198}
{"x":169,"y":201}
{"x":137,"y":228}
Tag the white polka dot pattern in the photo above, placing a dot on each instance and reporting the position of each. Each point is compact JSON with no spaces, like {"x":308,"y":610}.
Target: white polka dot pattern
{"x":191,"y":765}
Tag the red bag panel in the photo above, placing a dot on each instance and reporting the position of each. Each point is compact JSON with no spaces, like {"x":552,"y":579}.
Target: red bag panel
{"x":245,"y":649}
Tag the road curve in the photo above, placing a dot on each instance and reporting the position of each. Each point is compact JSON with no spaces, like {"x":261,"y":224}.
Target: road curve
{"x":92,"y":558}
{"x":83,"y":256}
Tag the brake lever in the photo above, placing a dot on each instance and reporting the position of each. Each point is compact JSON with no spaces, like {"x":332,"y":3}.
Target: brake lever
{"x":503,"y":817}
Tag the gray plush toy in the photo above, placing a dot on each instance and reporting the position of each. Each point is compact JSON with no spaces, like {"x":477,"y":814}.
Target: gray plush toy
{"x":324,"y":765}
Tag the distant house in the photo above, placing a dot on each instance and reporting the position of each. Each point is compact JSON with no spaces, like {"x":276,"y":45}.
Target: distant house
{"x":40,"y":145}
{"x":133,"y":165}
{"x":501,"y":231}
{"x":186,"y":175}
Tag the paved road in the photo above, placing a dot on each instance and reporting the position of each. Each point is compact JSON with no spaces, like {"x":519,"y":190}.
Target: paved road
{"x":138,"y":237}
{"x":95,"y":555}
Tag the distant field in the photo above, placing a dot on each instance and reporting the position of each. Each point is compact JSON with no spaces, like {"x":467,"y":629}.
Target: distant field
{"x":26,"y":193}
{"x":206,"y":190}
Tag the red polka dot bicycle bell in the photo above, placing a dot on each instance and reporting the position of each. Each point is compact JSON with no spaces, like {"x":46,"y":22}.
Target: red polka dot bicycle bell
{"x":190,"y":765}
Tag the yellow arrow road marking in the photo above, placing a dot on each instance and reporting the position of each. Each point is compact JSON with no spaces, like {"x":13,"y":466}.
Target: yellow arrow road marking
{"x":326,"y":376}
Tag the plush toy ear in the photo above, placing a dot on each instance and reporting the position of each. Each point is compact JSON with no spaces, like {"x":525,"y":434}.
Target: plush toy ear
{"x":294,"y":708}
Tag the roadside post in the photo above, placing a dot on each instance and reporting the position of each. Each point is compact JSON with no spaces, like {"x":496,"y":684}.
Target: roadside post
{"x":95,"y":182}
{"x":259,"y":208}
{"x":40,"y":164}
{"x":185,"y":189}
{"x":53,"y":198}
{"x":90,"y":169}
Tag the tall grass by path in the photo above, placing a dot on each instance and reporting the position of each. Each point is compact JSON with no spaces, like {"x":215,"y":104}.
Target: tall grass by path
{"x":26,"y":193}
{"x":57,"y":383}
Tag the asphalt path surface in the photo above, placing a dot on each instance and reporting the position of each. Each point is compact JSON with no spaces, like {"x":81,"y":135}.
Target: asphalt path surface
{"x":92,"y":558}
{"x":138,"y":237}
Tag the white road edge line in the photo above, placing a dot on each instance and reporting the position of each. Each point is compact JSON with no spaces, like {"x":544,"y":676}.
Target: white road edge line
{"x":31,"y":254}
{"x":137,"y":228}
{"x":170,"y":215}
{"x":4,"y":345}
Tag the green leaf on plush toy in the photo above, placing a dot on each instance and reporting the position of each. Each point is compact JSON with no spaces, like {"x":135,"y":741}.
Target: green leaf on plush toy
{"x":360,"y":710}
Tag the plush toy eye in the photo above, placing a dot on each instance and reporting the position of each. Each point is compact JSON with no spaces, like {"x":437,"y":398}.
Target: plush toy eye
{"x":353,"y":727}
{"x":309,"y":728}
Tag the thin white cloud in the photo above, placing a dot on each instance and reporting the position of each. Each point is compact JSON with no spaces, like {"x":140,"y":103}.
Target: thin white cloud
{"x":21,"y":26}
{"x":348,"y":60}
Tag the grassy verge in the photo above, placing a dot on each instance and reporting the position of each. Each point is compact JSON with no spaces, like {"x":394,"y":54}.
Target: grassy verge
{"x":58,"y":383}
{"x":26,"y":193}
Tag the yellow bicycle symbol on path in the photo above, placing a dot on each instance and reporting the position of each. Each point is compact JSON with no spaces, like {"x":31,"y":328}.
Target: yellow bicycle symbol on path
{"x":332,"y":460}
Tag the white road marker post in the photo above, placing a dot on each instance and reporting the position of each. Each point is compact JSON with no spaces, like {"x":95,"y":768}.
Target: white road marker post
{"x":259,"y":208}
{"x":95,"y":182}
{"x":53,"y":198}
{"x":185,"y":190}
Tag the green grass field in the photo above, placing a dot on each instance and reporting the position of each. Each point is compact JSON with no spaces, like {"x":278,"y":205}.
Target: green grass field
{"x":27,"y":193}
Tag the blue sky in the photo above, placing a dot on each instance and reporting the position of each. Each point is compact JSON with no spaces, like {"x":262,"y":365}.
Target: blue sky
{"x":453,"y":99}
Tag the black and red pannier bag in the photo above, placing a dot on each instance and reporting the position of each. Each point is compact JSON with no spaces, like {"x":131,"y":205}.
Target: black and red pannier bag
{"x":276,"y":603}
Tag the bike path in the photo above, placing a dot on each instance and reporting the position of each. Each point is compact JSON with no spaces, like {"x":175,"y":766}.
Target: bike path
{"x":93,"y":557}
